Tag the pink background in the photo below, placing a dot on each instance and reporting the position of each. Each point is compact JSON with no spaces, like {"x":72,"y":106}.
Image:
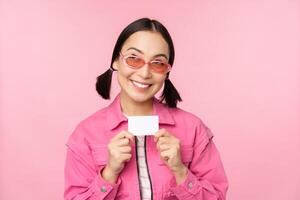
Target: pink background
{"x":237,"y":67}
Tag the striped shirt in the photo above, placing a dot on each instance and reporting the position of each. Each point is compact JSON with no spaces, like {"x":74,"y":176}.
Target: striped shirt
{"x":145,"y":185}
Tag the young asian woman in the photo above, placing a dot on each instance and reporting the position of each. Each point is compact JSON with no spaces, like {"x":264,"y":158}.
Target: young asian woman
{"x":105,"y":161}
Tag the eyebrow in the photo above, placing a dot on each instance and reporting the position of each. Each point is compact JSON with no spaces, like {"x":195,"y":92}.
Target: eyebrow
{"x":160,"y":54}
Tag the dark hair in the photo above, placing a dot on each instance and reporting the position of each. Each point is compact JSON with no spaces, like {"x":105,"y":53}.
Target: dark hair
{"x":170,"y":95}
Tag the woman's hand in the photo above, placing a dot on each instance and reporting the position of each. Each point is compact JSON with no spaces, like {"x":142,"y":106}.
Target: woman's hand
{"x":119,"y":149}
{"x":168,"y":147}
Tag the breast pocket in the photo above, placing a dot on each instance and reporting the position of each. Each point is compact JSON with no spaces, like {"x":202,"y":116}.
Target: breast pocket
{"x":99,"y":153}
{"x":186,"y":157}
{"x":100,"y":156}
{"x":187,"y":152}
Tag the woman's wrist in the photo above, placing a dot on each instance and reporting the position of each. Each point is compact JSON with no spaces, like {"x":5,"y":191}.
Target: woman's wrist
{"x":180,"y":174}
{"x":109,"y":175}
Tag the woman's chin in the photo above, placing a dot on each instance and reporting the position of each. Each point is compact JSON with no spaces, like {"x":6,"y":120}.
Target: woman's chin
{"x":141,"y":98}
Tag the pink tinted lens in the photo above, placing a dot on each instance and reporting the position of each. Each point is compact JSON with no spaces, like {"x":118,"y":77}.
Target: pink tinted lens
{"x":135,"y":62}
{"x":160,"y":67}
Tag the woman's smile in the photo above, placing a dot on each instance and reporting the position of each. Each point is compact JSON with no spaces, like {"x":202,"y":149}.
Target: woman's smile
{"x":140,"y":86}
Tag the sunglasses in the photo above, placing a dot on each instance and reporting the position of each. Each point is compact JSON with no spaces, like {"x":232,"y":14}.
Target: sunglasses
{"x":135,"y":62}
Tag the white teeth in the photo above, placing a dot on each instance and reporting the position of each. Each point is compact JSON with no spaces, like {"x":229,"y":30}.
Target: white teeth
{"x":140,"y":85}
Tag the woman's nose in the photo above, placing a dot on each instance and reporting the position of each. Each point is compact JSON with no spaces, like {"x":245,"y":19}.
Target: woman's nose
{"x":145,"y":71}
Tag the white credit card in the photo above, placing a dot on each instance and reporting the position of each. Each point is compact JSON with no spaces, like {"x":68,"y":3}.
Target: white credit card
{"x":143,"y":125}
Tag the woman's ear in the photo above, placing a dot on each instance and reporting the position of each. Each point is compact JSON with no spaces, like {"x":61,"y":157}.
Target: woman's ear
{"x":115,"y":65}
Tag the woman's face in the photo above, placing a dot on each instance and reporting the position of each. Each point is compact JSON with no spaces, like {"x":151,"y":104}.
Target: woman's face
{"x":142,"y":84}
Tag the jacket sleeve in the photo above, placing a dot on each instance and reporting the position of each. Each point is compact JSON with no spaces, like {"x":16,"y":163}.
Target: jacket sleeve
{"x":206,"y":178}
{"x":82,"y":177}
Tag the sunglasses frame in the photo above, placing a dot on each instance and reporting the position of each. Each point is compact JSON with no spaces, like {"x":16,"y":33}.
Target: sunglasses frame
{"x":123,"y":57}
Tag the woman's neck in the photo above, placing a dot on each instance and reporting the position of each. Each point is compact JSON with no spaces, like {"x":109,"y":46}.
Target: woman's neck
{"x":132,"y":108}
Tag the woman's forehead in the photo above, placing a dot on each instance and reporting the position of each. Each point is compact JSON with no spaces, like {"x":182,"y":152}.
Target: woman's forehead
{"x":148,"y":42}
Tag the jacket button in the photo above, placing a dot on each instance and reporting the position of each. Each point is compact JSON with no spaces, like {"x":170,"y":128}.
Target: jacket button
{"x":103,"y":189}
{"x":190,"y":185}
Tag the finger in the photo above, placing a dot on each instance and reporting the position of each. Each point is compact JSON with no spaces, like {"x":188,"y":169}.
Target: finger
{"x":164,"y":147}
{"x":130,"y":136}
{"x":126,"y":157}
{"x":160,"y":133}
{"x":124,"y":134}
{"x":125,"y":149}
{"x":165,"y":155}
{"x":123,"y":142}
{"x":162,"y":140}
{"x":119,"y":135}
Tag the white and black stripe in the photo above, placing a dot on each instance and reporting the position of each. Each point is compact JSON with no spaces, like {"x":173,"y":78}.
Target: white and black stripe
{"x":144,"y":179}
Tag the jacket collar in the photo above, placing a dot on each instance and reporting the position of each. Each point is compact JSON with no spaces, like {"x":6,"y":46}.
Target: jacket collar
{"x":116,"y":117}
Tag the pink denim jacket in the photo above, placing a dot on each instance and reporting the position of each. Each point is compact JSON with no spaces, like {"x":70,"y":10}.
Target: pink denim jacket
{"x":87,"y":155}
